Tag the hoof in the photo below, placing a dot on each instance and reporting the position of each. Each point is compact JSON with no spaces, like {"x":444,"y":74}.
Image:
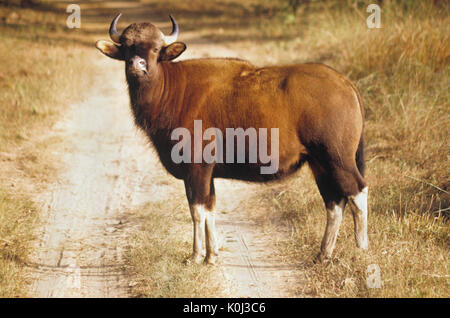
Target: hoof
{"x":210,"y":260}
{"x":193,"y":259}
{"x":364,"y":245}
{"x":321,"y":259}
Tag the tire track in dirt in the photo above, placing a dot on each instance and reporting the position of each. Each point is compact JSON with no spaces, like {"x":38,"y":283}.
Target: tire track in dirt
{"x":248,"y":257}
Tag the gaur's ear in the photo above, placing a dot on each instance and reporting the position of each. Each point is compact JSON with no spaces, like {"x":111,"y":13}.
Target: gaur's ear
{"x":109,"y":49}
{"x":172,"y":51}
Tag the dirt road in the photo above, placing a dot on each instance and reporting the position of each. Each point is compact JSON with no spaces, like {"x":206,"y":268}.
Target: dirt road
{"x":81,"y":246}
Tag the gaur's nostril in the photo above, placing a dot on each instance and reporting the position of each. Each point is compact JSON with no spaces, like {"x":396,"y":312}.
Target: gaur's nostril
{"x":142,"y":62}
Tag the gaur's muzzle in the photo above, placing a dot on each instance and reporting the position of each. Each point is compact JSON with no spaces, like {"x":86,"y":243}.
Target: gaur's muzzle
{"x":137,"y":64}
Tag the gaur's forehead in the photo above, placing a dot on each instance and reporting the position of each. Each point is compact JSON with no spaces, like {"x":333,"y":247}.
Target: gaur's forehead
{"x":141,"y":33}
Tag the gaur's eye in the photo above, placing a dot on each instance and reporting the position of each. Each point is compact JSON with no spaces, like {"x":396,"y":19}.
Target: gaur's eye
{"x":155,"y":49}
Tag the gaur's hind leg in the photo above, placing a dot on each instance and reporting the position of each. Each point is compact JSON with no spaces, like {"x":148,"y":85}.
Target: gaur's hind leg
{"x":352,"y":185}
{"x":334,"y":204}
{"x":358,"y":205}
{"x":334,"y":218}
{"x":339,"y":184}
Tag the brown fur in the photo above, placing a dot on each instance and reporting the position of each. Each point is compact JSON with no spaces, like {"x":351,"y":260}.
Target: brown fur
{"x":317,"y":110}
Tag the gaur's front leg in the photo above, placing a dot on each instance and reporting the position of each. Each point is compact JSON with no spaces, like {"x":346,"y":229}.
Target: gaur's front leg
{"x":198,"y":221}
{"x":201,"y":197}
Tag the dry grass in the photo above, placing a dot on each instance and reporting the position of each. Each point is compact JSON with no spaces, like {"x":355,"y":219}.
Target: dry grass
{"x":17,"y":219}
{"x":39,"y":77}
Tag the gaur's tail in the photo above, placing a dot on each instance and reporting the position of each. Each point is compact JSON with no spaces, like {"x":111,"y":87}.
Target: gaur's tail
{"x":360,"y":158}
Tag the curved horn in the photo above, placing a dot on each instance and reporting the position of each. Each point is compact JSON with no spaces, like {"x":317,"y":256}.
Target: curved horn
{"x":113,"y":34}
{"x":169,"y":39}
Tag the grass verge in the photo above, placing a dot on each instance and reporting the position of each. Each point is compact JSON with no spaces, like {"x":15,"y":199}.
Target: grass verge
{"x":42,"y":72}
